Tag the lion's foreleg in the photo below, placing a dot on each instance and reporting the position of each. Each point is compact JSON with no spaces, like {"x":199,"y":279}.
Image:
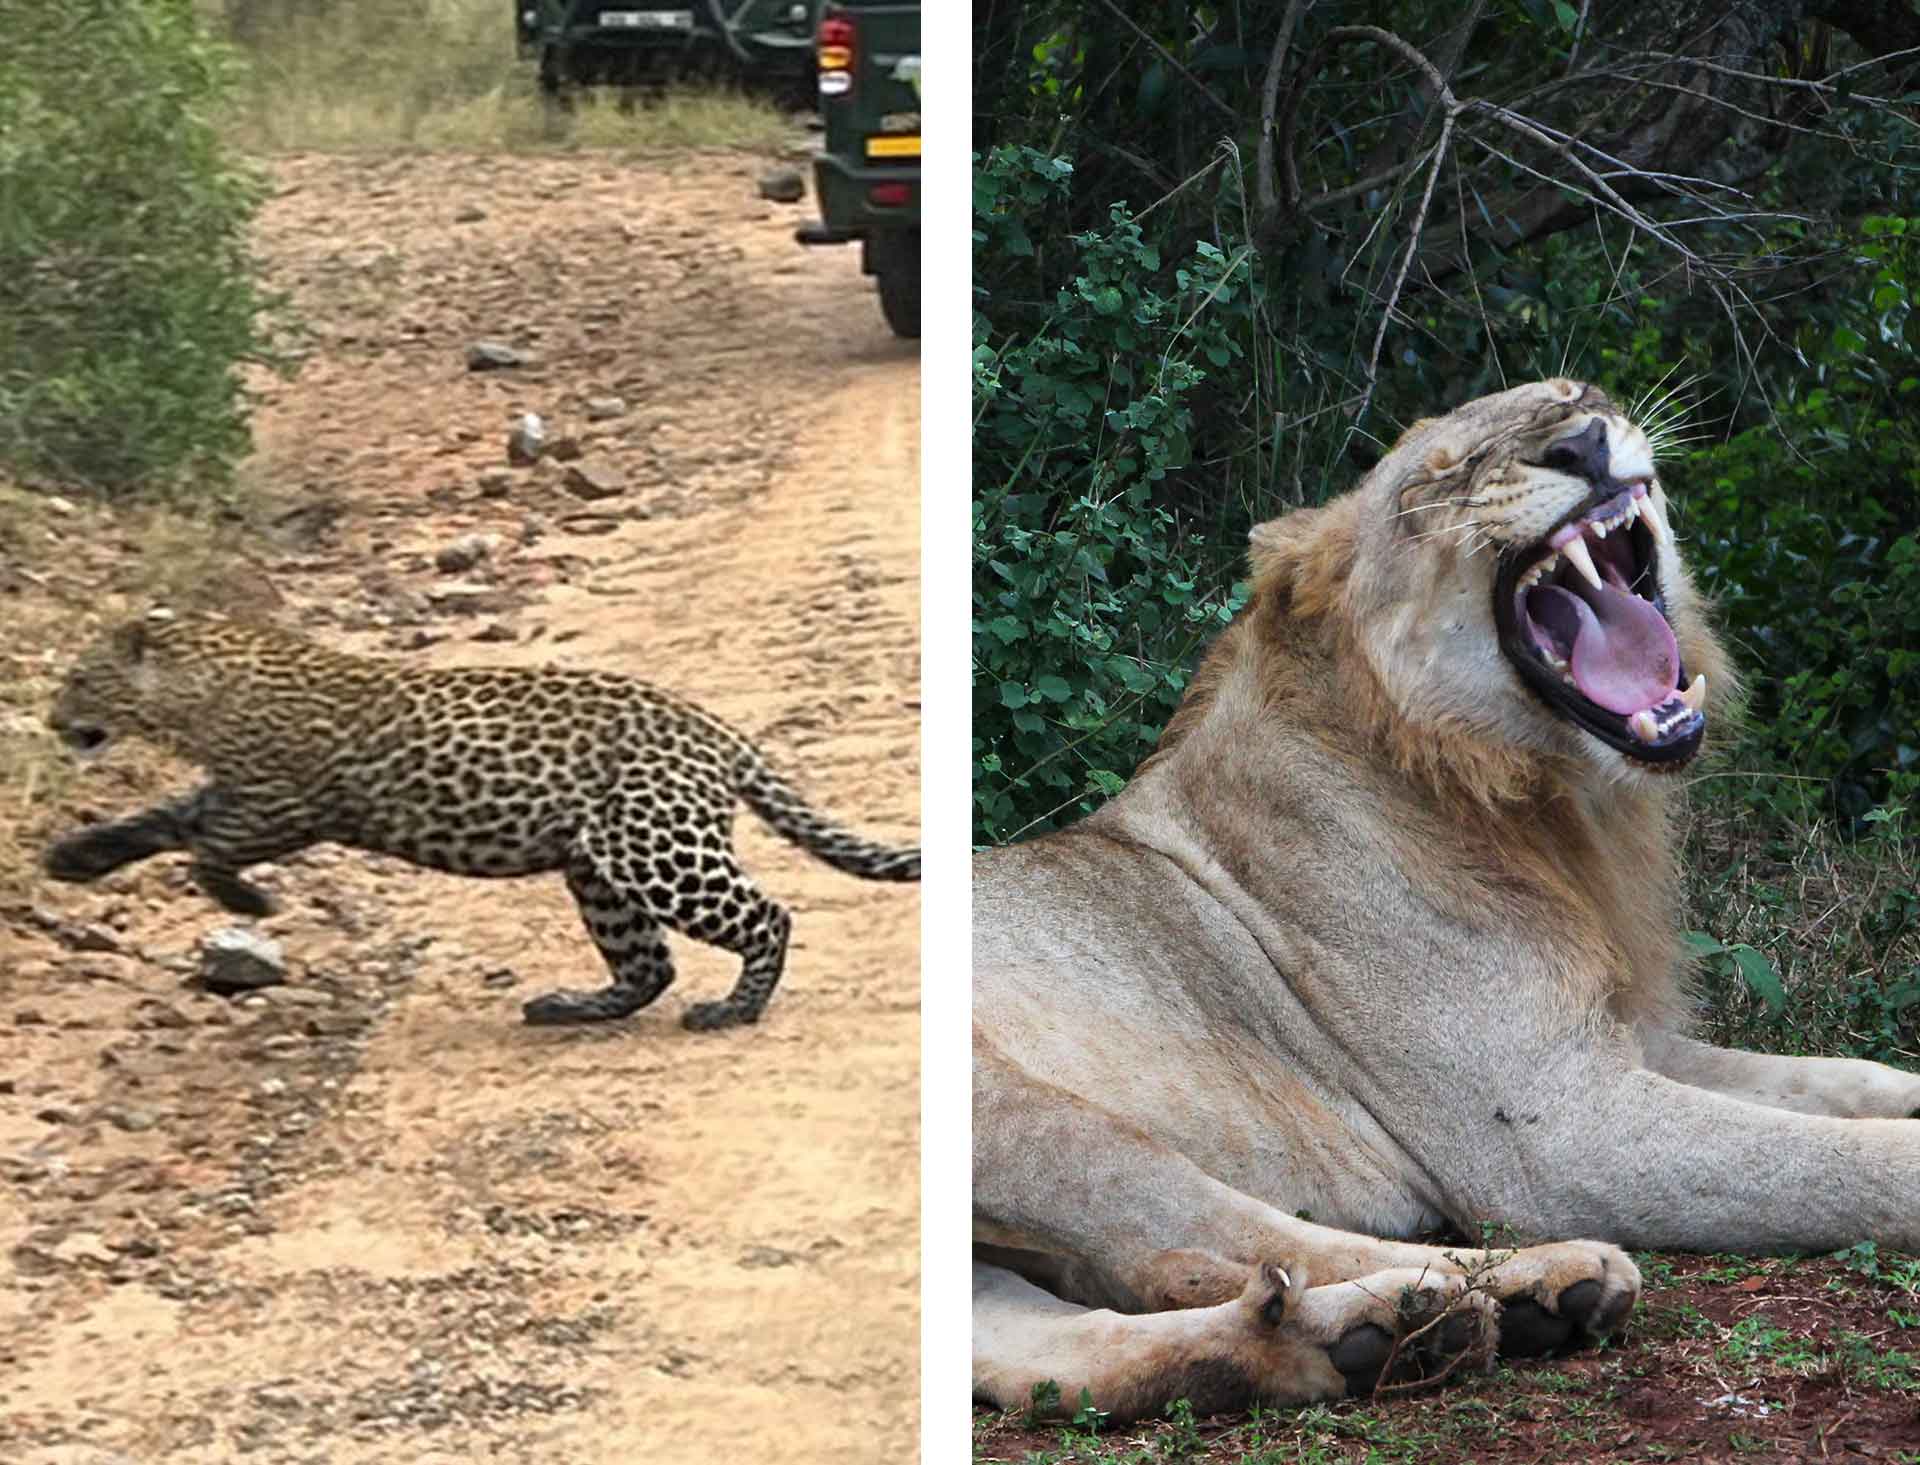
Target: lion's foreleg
{"x":1139,"y":1227}
{"x":1276,"y":1342}
{"x":1845,"y":1088}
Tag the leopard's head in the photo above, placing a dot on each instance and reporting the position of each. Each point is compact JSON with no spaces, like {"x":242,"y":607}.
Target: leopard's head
{"x":110,"y":688}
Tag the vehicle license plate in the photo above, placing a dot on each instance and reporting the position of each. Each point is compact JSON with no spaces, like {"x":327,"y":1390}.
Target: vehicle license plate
{"x":649,"y":20}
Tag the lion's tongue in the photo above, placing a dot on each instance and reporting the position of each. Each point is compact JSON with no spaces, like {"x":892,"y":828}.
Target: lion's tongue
{"x":1623,"y":655}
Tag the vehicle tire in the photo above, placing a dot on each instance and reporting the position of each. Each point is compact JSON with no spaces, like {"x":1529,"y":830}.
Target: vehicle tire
{"x":557,"y":89}
{"x":896,"y":265}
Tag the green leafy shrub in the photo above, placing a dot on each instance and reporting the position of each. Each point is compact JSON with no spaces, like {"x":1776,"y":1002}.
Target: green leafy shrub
{"x":1805,"y":529}
{"x":1090,"y":598}
{"x":127,"y":298}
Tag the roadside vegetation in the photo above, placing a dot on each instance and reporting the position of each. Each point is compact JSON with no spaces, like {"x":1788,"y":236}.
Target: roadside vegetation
{"x":128,"y":299}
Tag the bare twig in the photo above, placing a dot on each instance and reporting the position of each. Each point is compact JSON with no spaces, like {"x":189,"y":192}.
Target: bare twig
{"x":1406,"y":259}
{"x":1789,"y":82}
{"x":1460,"y":213}
{"x":1367,"y":185}
{"x":1451,"y":110}
{"x":1579,"y":34}
{"x":1269,"y":97}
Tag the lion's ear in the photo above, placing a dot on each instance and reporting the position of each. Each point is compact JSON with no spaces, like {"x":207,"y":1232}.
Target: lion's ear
{"x":1307,"y":556}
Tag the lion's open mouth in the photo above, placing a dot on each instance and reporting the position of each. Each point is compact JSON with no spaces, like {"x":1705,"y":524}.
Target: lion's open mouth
{"x":1581,"y":617}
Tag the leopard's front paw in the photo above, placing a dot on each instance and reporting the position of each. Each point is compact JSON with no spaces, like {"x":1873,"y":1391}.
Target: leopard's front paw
{"x":84,"y":855}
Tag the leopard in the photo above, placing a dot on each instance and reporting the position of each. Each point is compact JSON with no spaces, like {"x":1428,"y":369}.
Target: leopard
{"x":626,"y":789}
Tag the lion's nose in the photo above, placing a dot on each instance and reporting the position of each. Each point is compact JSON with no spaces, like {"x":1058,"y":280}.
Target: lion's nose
{"x":1585,"y":453}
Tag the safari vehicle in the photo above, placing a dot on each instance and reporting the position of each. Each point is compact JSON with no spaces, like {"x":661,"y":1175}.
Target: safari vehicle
{"x":589,"y":42}
{"x":867,"y":171}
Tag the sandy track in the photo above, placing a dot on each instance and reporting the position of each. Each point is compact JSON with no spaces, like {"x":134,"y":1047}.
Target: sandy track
{"x":380,"y":1219}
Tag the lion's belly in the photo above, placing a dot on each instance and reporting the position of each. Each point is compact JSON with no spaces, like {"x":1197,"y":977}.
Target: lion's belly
{"x":1106,"y":979}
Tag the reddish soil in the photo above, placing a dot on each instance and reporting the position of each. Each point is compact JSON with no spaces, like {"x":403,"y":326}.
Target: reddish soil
{"x":370,"y":1215}
{"x":1726,"y":1359}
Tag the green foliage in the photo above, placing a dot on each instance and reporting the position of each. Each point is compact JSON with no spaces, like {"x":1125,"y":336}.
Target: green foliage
{"x":1044,"y":1400}
{"x":1805,"y":529}
{"x":1743,"y":961}
{"x":127,"y":298}
{"x":1901,"y":1273}
{"x":1087,"y":1417}
{"x":1757,"y":1340}
{"x":1089,"y":598}
{"x":1182,"y":1439}
{"x":1862,"y":1362}
{"x":1834,"y":923}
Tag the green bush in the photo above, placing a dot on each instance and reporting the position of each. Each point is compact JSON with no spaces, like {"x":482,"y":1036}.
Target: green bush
{"x":1089,"y":598}
{"x":127,"y":298}
{"x":1805,"y":529}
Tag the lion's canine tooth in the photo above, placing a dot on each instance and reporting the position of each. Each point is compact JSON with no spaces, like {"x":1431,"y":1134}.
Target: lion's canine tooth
{"x":1582,"y":560}
{"x":1643,"y":726}
{"x":1656,"y":523}
{"x":1695,"y":696}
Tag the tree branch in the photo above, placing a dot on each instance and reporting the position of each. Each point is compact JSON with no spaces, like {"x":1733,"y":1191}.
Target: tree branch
{"x":1269,"y":95}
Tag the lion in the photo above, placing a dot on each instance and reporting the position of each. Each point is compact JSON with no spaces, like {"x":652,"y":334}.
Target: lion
{"x":1382,"y":943}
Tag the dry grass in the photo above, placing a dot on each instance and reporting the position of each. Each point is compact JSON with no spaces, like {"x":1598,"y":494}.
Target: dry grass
{"x":1838,"y":918}
{"x":370,"y":75}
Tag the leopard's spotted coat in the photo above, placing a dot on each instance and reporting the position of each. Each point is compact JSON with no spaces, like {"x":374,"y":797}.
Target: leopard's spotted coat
{"x":627,"y":789}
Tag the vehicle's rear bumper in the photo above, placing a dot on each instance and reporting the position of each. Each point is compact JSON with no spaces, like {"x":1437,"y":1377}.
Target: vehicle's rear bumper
{"x":846,"y":211}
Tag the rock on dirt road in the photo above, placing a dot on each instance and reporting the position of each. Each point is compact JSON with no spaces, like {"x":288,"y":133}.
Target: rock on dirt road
{"x":367,"y":1215}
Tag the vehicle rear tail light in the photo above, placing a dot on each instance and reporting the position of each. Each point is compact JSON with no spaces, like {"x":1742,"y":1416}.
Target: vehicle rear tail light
{"x":833,"y":50}
{"x":890,"y":195}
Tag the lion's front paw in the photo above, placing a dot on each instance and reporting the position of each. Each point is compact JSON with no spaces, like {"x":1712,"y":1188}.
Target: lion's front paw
{"x":1566,"y":1295}
{"x":1402,"y":1327}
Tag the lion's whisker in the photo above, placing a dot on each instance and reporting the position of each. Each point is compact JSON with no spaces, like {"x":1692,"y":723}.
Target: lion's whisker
{"x":1454,"y":529}
{"x":1668,"y":409}
{"x":1465,"y":503}
{"x":1653,"y":394}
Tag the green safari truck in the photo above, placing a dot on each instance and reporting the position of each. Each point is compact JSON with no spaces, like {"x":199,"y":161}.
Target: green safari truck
{"x":867,"y":170}
{"x":589,"y":42}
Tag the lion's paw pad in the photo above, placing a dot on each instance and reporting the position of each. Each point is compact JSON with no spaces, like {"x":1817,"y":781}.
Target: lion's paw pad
{"x":1436,"y":1330}
{"x":1585,"y":1311}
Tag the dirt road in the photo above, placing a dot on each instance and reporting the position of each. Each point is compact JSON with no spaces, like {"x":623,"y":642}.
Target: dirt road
{"x":369,"y":1215}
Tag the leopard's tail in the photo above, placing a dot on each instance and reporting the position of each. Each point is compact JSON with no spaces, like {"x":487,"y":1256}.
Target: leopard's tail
{"x":787,"y":814}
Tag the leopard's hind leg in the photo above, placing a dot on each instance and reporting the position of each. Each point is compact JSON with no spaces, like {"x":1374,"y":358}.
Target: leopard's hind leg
{"x":620,"y":915}
{"x":662,"y":857}
{"x":635,"y":948}
{"x":741,"y":920}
